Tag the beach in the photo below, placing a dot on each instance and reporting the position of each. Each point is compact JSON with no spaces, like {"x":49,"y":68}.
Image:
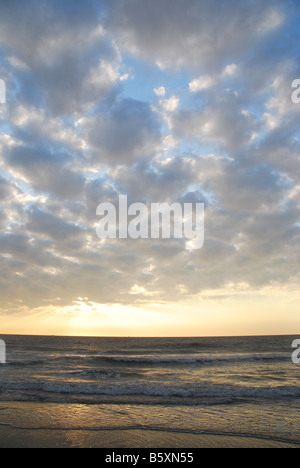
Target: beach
{"x":149,"y":393}
{"x":15,"y":434}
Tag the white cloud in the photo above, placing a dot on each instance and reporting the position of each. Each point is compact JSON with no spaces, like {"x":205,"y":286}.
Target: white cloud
{"x":202,"y":83}
{"x":171,"y":104}
{"x":230,"y":70}
{"x":124,"y":77}
{"x":161,"y":91}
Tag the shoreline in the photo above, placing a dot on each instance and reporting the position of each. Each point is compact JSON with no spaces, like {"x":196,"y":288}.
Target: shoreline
{"x":42,"y":425}
{"x":13,"y":437}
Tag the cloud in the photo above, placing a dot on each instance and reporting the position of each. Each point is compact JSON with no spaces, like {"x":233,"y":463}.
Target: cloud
{"x":7,"y":189}
{"x":45,"y":171}
{"x":204,"y":82}
{"x":51,"y":226}
{"x":192,"y":35}
{"x":128,"y":131}
{"x":170,"y":104}
{"x":61,"y":53}
{"x":221,"y":120}
{"x":161,"y":91}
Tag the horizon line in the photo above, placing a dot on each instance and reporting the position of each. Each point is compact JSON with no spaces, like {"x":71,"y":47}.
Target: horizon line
{"x":151,"y":337}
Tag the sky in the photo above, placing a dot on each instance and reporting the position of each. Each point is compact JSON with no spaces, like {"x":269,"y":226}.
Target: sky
{"x":163,"y":101}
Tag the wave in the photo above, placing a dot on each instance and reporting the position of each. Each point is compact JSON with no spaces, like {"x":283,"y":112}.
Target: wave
{"x":105,"y":373}
{"x":151,"y":360}
{"x":192,"y":359}
{"x":28,"y":362}
{"x":134,"y":389}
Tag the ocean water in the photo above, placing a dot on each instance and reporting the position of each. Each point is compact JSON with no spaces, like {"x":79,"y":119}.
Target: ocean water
{"x":244,"y":386}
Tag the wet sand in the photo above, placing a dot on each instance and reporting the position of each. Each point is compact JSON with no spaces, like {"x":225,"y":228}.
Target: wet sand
{"x":43,"y":438}
{"x":46,"y":425}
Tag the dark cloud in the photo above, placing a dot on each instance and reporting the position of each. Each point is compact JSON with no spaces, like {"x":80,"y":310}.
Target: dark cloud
{"x":60,"y":52}
{"x":7,"y":189}
{"x":46,"y":171}
{"x":197,"y":34}
{"x":51,"y":226}
{"x":222,"y":121}
{"x":127,"y":132}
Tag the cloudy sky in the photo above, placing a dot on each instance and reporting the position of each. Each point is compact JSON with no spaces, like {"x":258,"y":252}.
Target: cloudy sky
{"x":164,"y":101}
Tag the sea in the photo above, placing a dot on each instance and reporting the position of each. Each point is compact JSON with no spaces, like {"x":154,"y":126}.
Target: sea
{"x":245,"y":386}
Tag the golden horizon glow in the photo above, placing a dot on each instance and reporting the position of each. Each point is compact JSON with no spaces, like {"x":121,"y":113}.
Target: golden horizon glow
{"x":245,"y":314}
